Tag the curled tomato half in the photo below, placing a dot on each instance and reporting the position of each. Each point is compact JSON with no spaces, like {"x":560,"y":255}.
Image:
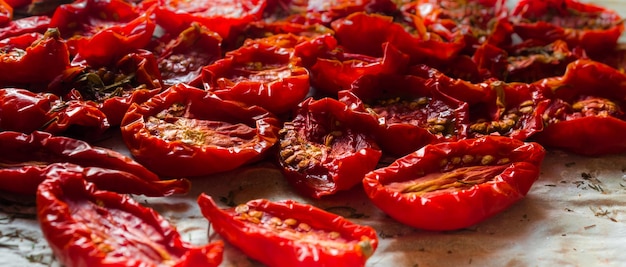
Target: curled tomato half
{"x":186,"y":131}
{"x":259,"y":74}
{"x":327,"y":147}
{"x":586,"y":114}
{"x":22,"y":58}
{"x":25,"y":25}
{"x":24,"y":111}
{"x":363,"y":33}
{"x":333,"y":74}
{"x":227,"y":18}
{"x":594,"y":28}
{"x":289,"y":233}
{"x":411,"y":113}
{"x":41,"y":148}
{"x":449,"y":186}
{"x":526,"y":63}
{"x":85,"y":226}
{"x":181,"y":60}
{"x":23,"y":178}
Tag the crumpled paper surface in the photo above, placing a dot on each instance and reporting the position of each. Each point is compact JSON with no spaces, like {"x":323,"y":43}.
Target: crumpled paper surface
{"x":574,"y":215}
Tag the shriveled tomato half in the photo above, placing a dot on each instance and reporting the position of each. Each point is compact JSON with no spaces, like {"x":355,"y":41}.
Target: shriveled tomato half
{"x":338,"y":72}
{"x":449,"y":186}
{"x":25,"y":111}
{"x":289,"y":233}
{"x":259,"y":74}
{"x":592,"y":27}
{"x":23,"y":178}
{"x":22,"y":58}
{"x":186,"y":131}
{"x":586,"y":115}
{"x":411,"y":112}
{"x":327,"y":147}
{"x":181,"y":59}
{"x":85,"y":226}
{"x":44,"y":148}
{"x":25,"y":25}
{"x":363,"y":33}
{"x":227,"y":18}
{"x":526,"y":63}
{"x":133,"y":78}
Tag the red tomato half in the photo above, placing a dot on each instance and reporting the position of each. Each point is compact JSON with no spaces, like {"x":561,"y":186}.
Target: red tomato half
{"x":449,"y":186}
{"x":85,"y":226}
{"x":286,"y":234}
{"x":327,"y":147}
{"x":586,"y":115}
{"x":186,"y":131}
{"x":594,"y":28}
{"x":24,"y":111}
{"x":259,"y":74}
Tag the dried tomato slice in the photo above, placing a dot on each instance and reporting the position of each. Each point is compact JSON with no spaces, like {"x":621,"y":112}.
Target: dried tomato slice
{"x":225,"y":17}
{"x":301,"y":234}
{"x":100,"y":32}
{"x":362,"y":33}
{"x":186,"y":131}
{"x":333,"y":74}
{"x":449,"y":186}
{"x":407,"y":108}
{"x":91,"y":227}
{"x":586,"y":115}
{"x":594,"y":28}
{"x":526,"y":63}
{"x":327,"y":148}
{"x":25,"y":111}
{"x":181,"y":60}
{"x":44,"y":148}
{"x":476,"y":20}
{"x":259,"y":74}
{"x":23,"y":178}
{"x":22,"y":58}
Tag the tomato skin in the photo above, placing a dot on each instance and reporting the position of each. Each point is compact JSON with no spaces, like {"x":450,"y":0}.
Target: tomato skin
{"x":264,"y":245}
{"x":327,"y":147}
{"x":25,"y":111}
{"x":256,"y":128}
{"x":592,"y":86}
{"x":455,"y":208}
{"x":537,"y":27}
{"x":26,"y":67}
{"x":85,"y":226}
{"x":259,"y":74}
